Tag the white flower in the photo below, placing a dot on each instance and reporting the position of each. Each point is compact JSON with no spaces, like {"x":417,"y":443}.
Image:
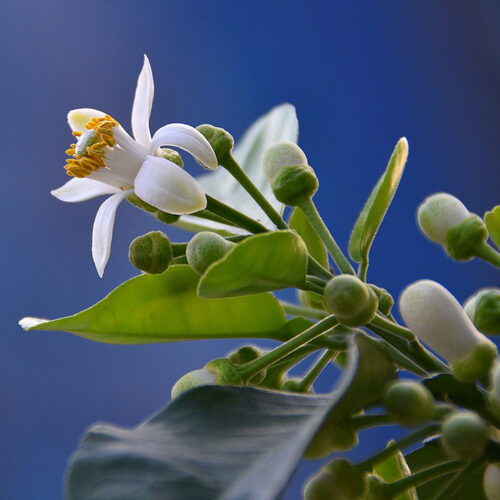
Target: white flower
{"x":107,"y":160}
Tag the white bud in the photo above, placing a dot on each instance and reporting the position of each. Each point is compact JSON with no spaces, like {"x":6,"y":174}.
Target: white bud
{"x":193,"y":379}
{"x":279,"y":155}
{"x":491,"y":481}
{"x":437,"y":318}
{"x":438,"y":214}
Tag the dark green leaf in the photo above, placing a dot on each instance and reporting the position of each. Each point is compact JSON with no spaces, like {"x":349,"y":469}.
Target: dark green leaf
{"x":165,"y":308}
{"x":260,"y":263}
{"x":216,"y":442}
{"x":376,"y":206}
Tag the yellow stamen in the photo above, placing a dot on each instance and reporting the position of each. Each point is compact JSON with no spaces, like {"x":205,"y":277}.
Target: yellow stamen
{"x":88,"y":153}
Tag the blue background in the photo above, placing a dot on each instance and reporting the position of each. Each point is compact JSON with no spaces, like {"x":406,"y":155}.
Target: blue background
{"x":361,"y":74}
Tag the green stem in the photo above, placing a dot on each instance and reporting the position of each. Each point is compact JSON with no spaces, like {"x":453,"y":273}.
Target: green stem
{"x":394,"y":328}
{"x":310,"y":211}
{"x":458,"y":481}
{"x":487,"y":253}
{"x":248,"y":370}
{"x":316,"y":280}
{"x":365,"y":421}
{"x":234,"y":216}
{"x":309,"y":378}
{"x":230,"y":164}
{"x":402,"y":360}
{"x":393,"y":490}
{"x":206,"y":214}
{"x":180,"y":248}
{"x":307,"y":312}
{"x":313,"y":287}
{"x":181,"y":259}
{"x":363,"y":268}
{"x":314,"y":267}
{"x":422,"y":433}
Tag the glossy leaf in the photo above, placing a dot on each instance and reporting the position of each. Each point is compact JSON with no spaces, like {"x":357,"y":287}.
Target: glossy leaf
{"x":260,"y":263}
{"x":165,"y":308}
{"x":230,"y":443}
{"x":301,"y":224}
{"x":376,"y":206}
{"x":431,"y":454}
{"x":394,"y":468}
{"x":279,"y":124}
{"x":492,"y":220}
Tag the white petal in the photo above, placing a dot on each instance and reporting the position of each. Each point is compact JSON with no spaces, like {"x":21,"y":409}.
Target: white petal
{"x":167,"y":186}
{"x":102,"y":233}
{"x":30,"y":322}
{"x":188,"y":138}
{"x":143,"y":101}
{"x":78,"y":118}
{"x":82,"y":189}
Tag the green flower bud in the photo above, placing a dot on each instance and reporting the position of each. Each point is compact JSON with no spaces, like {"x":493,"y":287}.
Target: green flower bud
{"x":333,"y":436}
{"x":205,"y":248}
{"x":244,"y":355}
{"x":336,"y":480}
{"x":437,"y":318}
{"x":385,"y":300}
{"x":225,"y":372}
{"x":294,"y":184}
{"x":221,"y":141}
{"x":463,"y":239}
{"x":491,"y":481}
{"x":172,"y":155}
{"x":494,"y":394}
{"x":280,"y":155}
{"x":409,"y":402}
{"x":311,"y":299}
{"x":464,"y":436}
{"x":193,"y":379}
{"x":352,"y":301}
{"x":151,"y":252}
{"x":438,"y":214}
{"x":483,"y":309}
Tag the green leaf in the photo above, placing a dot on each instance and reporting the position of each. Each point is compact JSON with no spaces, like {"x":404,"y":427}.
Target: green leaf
{"x":430,"y":454}
{"x":301,"y":224}
{"x":260,"y":263}
{"x":213,"y":442}
{"x":279,"y":124}
{"x":376,"y":206}
{"x":492,"y":220}
{"x":165,"y":308}
{"x":394,"y":468}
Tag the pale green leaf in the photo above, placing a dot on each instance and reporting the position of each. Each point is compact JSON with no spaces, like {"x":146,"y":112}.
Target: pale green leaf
{"x":376,"y":206}
{"x":260,"y":263}
{"x":165,"y":308}
{"x":492,"y":220}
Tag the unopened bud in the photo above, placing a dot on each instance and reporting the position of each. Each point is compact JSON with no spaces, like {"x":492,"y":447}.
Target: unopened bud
{"x":151,"y":252}
{"x":464,"y":436}
{"x":437,"y":318}
{"x":294,"y":184}
{"x":205,"y":248}
{"x":491,"y":481}
{"x":483,"y":308}
{"x":193,"y":379}
{"x":171,"y":155}
{"x":221,"y":141}
{"x":409,"y":402}
{"x":353,"y":302}
{"x":333,"y":436}
{"x":279,"y":155}
{"x":338,"y":479}
{"x":225,"y":372}
{"x":385,"y":299}
{"x":438,"y":214}
{"x":464,"y":238}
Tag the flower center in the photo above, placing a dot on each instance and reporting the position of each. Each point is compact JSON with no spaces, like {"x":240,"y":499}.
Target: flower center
{"x":88,"y":153}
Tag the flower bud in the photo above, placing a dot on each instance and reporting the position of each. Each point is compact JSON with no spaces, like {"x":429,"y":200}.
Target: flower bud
{"x":437,"y":318}
{"x":205,"y":248}
{"x":385,"y":300}
{"x":494,"y":394}
{"x":409,"y":402}
{"x":464,"y":238}
{"x":491,"y":481}
{"x":225,"y":372}
{"x":438,"y":214}
{"x":171,"y":155}
{"x":244,"y":355}
{"x":193,"y":379}
{"x":151,"y":252}
{"x":464,"y":436}
{"x":280,"y":155}
{"x":353,"y":302}
{"x":483,"y":308}
{"x":221,"y":141}
{"x":338,"y":479}
{"x":333,"y":436}
{"x":294,"y":184}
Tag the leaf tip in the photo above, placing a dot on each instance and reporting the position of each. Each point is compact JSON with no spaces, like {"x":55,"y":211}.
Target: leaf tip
{"x":29,"y":323}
